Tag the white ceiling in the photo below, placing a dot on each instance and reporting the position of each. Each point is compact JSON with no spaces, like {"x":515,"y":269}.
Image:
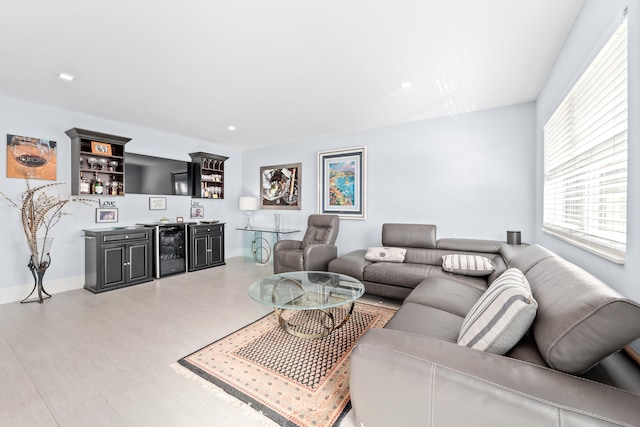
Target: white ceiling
{"x":278,"y":70}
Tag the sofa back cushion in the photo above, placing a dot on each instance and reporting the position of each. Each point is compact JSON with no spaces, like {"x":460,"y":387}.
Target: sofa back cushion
{"x":530,"y":256}
{"x":409,"y":235}
{"x":470,"y":245}
{"x":580,"y":320}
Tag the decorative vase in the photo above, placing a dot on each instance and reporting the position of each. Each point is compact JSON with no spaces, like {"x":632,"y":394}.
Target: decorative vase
{"x":277,"y":221}
{"x":38,"y":264}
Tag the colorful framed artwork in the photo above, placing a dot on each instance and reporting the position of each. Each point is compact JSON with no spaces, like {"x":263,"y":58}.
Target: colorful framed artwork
{"x":107,"y":215}
{"x":342,"y":182}
{"x":280,"y":186}
{"x":31,"y":158}
{"x":157,"y":203}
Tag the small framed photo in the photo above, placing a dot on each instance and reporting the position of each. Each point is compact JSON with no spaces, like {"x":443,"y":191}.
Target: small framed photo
{"x":197,"y":212}
{"x":100,"y":148}
{"x":107,"y":215}
{"x":179,"y":219}
{"x":157,"y":203}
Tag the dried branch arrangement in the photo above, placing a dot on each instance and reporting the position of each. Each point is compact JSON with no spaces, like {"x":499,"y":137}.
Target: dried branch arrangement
{"x":40,"y":211}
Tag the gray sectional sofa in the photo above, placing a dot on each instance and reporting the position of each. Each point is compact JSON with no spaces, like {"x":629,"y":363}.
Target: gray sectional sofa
{"x":567,"y":371}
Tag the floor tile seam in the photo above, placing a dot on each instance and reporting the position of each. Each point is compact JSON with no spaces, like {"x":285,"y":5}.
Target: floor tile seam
{"x":31,"y":381}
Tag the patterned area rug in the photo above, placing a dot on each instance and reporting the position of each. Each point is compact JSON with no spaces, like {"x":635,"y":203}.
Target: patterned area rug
{"x":293,"y":381}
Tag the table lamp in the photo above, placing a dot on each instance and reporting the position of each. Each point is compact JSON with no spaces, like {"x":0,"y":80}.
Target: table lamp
{"x":248,"y":204}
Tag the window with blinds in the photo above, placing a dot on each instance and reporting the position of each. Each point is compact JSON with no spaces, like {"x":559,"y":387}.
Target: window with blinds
{"x":585,"y":156}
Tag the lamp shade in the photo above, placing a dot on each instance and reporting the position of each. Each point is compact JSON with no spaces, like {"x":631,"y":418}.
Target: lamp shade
{"x":248,"y":204}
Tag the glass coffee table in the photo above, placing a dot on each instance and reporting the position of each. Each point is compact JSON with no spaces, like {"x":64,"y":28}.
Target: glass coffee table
{"x":313,"y":292}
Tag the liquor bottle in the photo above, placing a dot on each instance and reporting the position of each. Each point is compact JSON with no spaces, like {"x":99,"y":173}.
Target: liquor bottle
{"x":114,"y":186}
{"x":97,"y":186}
{"x":85,"y":187}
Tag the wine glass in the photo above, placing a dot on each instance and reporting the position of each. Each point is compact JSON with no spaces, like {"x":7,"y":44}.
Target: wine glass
{"x":92,"y":162}
{"x":113,"y":165}
{"x":31,"y":152}
{"x":103,"y":164}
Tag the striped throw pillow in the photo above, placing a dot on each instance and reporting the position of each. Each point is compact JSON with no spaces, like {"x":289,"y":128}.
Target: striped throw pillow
{"x":502,"y":315}
{"x":470,"y":265}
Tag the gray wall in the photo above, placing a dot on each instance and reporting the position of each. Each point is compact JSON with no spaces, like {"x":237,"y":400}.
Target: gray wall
{"x":585,"y":39}
{"x":472,"y":175}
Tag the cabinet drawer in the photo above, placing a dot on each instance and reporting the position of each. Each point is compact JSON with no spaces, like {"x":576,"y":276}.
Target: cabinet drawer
{"x":207,"y":229}
{"x":110,"y":238}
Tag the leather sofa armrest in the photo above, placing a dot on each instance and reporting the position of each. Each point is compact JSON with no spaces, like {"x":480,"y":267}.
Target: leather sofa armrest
{"x":414,"y":380}
{"x":317,"y":256}
{"x":287,"y":244}
{"x":352,"y":264}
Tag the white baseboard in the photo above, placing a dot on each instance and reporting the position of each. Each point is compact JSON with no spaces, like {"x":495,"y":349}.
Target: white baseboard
{"x":18,"y":293}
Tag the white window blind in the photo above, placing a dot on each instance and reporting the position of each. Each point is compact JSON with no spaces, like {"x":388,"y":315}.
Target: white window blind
{"x":585,"y":158}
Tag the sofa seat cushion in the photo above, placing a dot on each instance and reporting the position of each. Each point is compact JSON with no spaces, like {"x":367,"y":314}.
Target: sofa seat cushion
{"x":479,"y":283}
{"x":445,"y":294}
{"x":424,"y":320}
{"x":404,"y":274}
{"x":527,"y":351}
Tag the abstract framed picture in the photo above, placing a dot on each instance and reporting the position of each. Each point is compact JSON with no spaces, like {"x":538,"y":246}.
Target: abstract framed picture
{"x":280,"y":186}
{"x":342,"y":182}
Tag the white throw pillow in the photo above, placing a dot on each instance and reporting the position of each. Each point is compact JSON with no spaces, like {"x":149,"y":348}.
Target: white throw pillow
{"x":385,"y":254}
{"x":470,"y":265}
{"x":502,"y":315}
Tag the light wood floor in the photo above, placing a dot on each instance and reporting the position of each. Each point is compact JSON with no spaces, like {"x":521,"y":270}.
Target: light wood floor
{"x":82,"y":359}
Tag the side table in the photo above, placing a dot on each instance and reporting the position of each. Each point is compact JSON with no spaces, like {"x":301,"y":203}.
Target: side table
{"x":260,"y":241}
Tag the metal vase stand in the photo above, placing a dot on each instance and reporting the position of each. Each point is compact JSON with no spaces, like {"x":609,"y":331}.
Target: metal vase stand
{"x":38,"y":270}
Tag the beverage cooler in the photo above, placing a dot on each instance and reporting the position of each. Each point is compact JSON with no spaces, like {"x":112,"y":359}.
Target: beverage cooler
{"x":170,"y":249}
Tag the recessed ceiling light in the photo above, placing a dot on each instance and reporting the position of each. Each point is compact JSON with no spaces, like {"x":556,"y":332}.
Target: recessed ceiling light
{"x":67,"y":77}
{"x":231,"y":128}
{"x":405,"y":85}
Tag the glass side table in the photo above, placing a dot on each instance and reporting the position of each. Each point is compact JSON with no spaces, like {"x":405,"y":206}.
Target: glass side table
{"x":260,"y":240}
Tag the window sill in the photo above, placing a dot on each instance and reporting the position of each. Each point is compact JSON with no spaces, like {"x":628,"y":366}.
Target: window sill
{"x":614,"y":257}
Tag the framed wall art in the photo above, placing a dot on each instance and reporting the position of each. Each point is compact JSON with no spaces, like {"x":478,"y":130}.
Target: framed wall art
{"x":342,"y":182}
{"x":157,"y":203}
{"x":280,"y":186}
{"x":107,"y":215}
{"x":31,"y":158}
{"x":102,"y":148}
{"x":197,"y":212}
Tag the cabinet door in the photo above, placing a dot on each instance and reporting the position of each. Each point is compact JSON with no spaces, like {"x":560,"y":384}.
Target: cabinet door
{"x":138,"y":262}
{"x":113,"y":266}
{"x":216,"y":244}
{"x":200,"y":252}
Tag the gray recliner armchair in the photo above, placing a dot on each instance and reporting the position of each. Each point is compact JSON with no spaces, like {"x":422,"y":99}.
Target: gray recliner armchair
{"x":314,"y":251}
